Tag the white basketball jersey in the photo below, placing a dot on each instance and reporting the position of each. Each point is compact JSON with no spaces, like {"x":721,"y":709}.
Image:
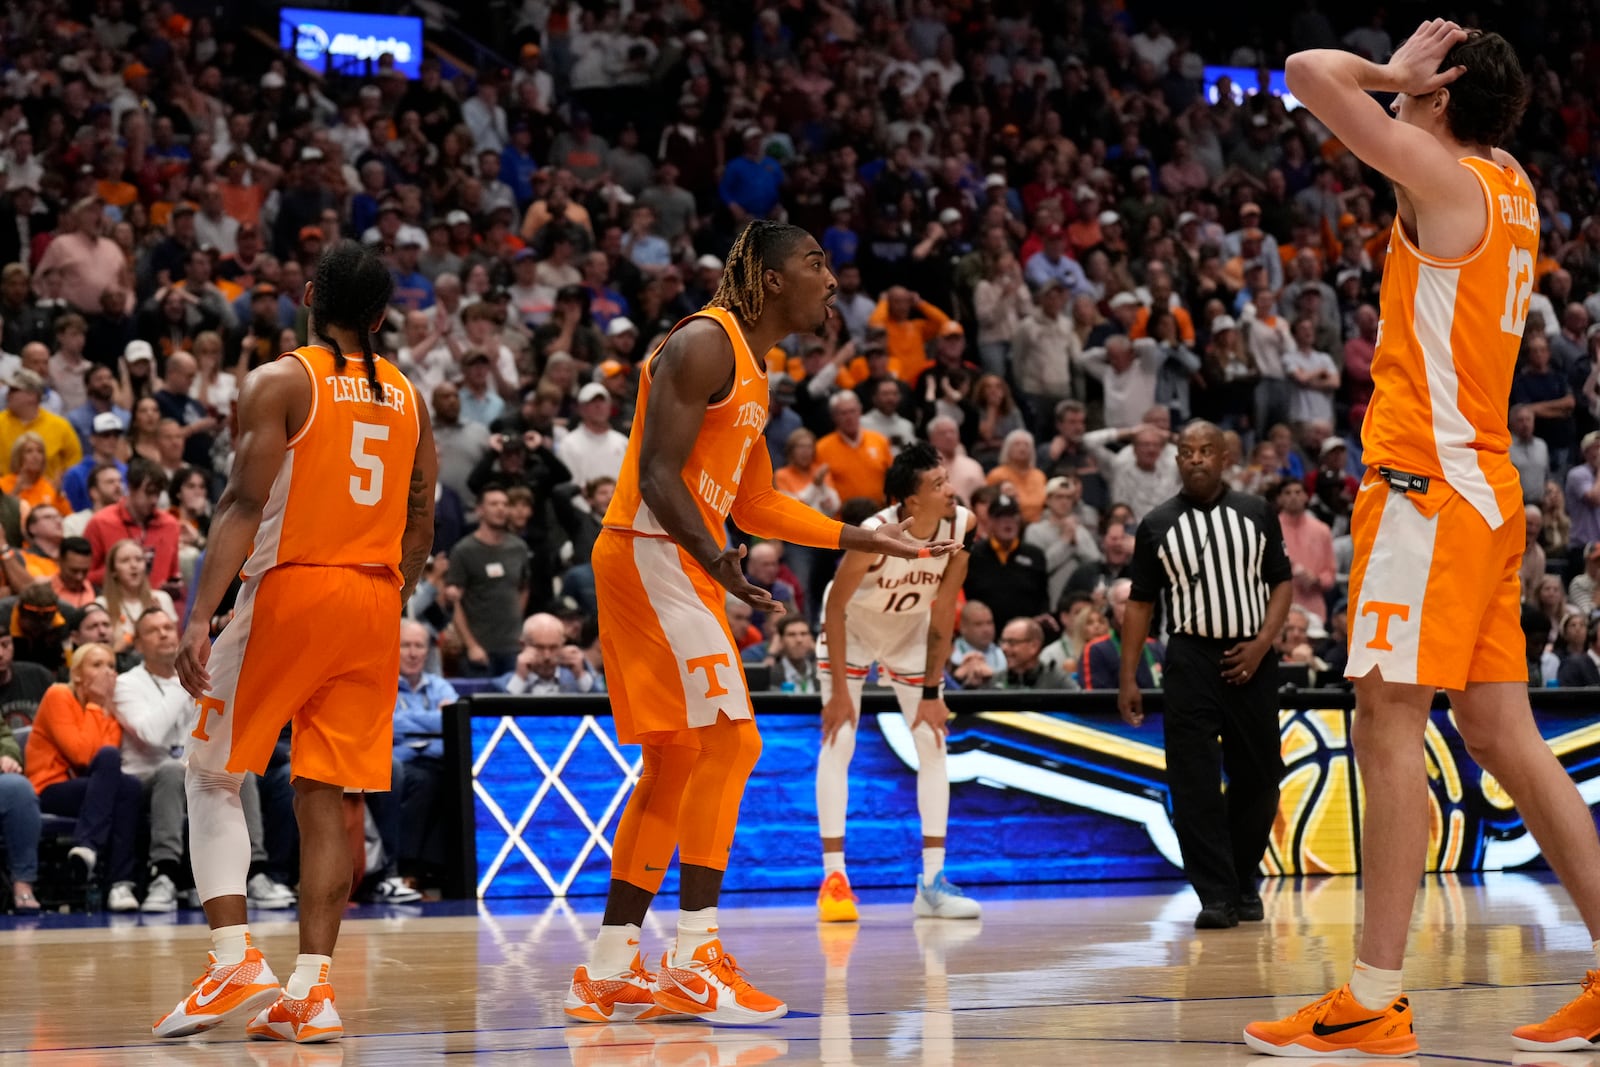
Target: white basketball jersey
{"x":896,"y":586}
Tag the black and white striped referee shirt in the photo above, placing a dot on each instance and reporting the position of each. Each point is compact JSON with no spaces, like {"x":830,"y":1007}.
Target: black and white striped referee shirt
{"x":1215,"y":564}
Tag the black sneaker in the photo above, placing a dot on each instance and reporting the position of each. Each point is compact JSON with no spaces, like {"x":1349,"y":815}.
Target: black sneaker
{"x":1251,"y":910}
{"x":1216,"y":917}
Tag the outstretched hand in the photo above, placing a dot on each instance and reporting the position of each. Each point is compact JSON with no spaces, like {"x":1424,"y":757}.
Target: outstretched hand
{"x":1414,"y":67}
{"x":894,"y":539}
{"x":728,"y":569}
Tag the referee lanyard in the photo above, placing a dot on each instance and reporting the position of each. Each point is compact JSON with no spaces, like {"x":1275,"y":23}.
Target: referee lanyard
{"x":1149,"y":657}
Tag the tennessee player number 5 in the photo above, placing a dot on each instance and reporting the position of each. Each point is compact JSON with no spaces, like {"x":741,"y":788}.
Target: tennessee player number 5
{"x":371,"y":492}
{"x":1519,"y":289}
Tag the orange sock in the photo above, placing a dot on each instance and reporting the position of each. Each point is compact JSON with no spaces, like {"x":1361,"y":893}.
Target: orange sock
{"x":647,"y":833}
{"x":710,"y":812}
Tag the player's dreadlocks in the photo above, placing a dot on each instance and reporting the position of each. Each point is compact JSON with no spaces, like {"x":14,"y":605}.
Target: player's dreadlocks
{"x":350,"y":290}
{"x":761,"y":246}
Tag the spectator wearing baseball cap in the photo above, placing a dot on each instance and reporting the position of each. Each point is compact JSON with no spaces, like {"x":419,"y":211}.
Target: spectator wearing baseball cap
{"x":840,"y":240}
{"x":593,"y":448}
{"x":1005,"y":572}
{"x":23,"y":414}
{"x":1052,"y":264}
{"x":105,"y":448}
{"x":752,"y":182}
{"x":412,"y":289}
{"x":1250,"y":223}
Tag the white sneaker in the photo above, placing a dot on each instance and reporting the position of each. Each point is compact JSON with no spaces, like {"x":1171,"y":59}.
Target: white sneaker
{"x":121,"y":898}
{"x":394,"y":891}
{"x":162,"y":895}
{"x":941,"y":900}
{"x":262,"y":892}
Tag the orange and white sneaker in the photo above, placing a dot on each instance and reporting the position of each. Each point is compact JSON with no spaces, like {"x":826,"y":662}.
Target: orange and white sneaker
{"x":626,"y":997}
{"x":1575,"y":1028}
{"x":835,"y":902}
{"x":712,"y":986}
{"x":304,"y":1021}
{"x":222,"y":991}
{"x":1338,"y":1025}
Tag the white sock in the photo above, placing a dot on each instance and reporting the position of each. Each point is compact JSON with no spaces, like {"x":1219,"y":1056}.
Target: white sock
{"x":834,"y":861}
{"x":695,"y":928}
{"x":932,"y":863}
{"x":229,"y":943}
{"x":309,"y":970}
{"x":613,"y":950}
{"x":1374,"y":987}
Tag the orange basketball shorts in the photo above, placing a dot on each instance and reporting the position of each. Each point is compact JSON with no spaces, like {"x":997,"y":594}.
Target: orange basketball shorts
{"x":316,"y":646}
{"x":671,"y":661}
{"x":1434,"y":591}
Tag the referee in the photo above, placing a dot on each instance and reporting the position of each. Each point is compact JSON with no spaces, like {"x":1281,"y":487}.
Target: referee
{"x":1219,"y":559}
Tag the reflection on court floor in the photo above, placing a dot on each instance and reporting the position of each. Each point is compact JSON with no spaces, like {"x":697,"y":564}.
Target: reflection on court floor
{"x":1116,"y":977}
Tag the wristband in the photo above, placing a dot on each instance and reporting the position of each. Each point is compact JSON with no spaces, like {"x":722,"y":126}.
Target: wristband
{"x":924,"y":552}
{"x":930,"y":692}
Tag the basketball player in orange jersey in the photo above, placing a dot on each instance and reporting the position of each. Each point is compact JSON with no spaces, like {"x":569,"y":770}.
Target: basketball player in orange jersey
{"x":1438,"y":522}
{"x":662,"y":572}
{"x":329,"y":515}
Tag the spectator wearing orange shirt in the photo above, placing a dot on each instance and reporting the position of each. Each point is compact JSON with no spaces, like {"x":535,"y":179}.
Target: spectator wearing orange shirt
{"x":1158,"y":285}
{"x":856,"y":458}
{"x":75,"y":765}
{"x":909,"y":323}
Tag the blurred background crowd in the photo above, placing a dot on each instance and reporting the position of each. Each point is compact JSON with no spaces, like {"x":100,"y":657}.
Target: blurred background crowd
{"x":1058,"y":237}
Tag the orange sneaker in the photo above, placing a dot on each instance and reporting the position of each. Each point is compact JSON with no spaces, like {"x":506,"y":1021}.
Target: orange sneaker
{"x":626,"y":997}
{"x":835,"y":902}
{"x":712,"y":987}
{"x":1338,"y":1025}
{"x":222,"y":991}
{"x":304,"y":1022}
{"x":1575,"y":1028}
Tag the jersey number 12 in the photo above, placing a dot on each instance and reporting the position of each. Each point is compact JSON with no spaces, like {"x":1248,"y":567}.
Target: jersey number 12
{"x":1519,"y":290}
{"x":369,"y":491}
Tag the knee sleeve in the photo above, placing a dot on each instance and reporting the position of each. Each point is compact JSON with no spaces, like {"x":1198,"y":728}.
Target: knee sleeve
{"x":219,"y":841}
{"x":933,"y":776}
{"x":647,"y":832}
{"x":709,"y":813}
{"x":833,"y":781}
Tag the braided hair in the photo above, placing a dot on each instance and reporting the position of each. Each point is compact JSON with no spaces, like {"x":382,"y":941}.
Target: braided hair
{"x":350,"y":290}
{"x":761,"y":246}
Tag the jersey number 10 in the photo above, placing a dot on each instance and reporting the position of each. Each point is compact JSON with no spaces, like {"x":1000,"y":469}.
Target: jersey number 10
{"x":368,"y":491}
{"x":1519,"y":290}
{"x":905,"y":601}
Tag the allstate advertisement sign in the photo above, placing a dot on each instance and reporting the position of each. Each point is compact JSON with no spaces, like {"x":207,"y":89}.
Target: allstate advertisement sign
{"x":349,"y":40}
{"x":1035,"y":797}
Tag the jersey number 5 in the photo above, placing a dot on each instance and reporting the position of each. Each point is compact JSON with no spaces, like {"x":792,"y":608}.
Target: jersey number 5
{"x":369,"y":492}
{"x":1519,"y":289}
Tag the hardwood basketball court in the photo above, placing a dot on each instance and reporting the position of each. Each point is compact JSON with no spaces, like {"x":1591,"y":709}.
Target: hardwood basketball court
{"x":1053,"y":980}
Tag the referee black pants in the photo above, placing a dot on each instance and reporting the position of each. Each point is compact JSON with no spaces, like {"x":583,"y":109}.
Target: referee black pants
{"x":1212,"y":728}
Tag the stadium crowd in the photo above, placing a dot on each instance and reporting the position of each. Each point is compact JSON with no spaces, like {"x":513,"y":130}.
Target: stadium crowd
{"x":1054,"y":247}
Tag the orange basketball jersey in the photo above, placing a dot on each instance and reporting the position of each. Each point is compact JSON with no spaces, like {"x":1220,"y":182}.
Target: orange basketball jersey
{"x":339,"y":499}
{"x":1447,"y":347}
{"x":732,"y":427}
